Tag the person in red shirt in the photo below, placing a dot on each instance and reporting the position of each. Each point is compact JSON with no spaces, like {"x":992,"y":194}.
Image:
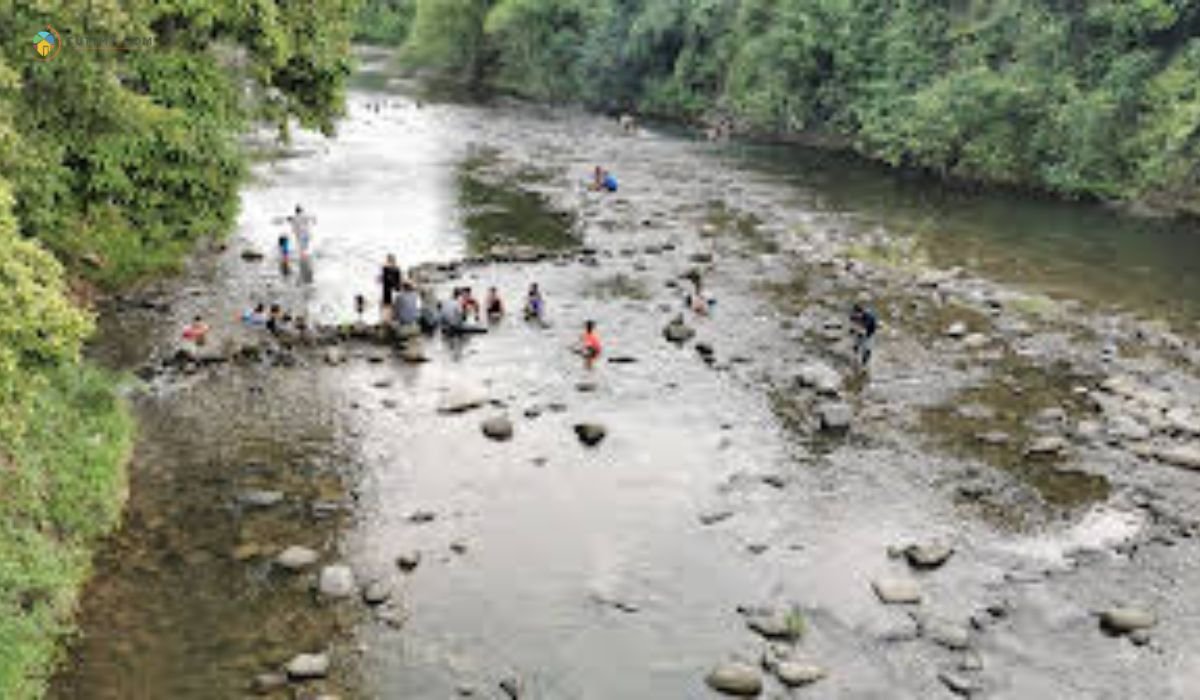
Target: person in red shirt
{"x":196,"y":331}
{"x":591,"y":341}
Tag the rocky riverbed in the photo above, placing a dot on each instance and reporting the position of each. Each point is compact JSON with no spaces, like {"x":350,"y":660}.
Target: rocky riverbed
{"x":1005,"y":506}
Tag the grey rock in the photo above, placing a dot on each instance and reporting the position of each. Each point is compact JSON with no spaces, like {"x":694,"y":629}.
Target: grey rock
{"x":1127,"y":619}
{"x":835,"y":417}
{"x":1186,"y":456}
{"x":306,"y":666}
{"x":408,"y":561}
{"x":498,"y":428}
{"x":771,"y":624}
{"x":266,"y":683}
{"x":678,"y":332}
{"x":463,"y":399}
{"x":1047,"y":446}
{"x":376,"y":593}
{"x":712,"y":517}
{"x":295,"y":558}
{"x":259,"y":498}
{"x":793,"y":673}
{"x":1140,"y":638}
{"x":897,"y":591}
{"x":821,"y":377}
{"x":590,"y":434}
{"x":735,"y":678}
{"x":336,"y":581}
{"x":960,"y":684}
{"x":421,"y":517}
{"x":927,"y":556}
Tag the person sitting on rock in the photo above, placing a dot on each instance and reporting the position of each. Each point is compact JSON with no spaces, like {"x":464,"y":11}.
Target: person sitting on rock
{"x":406,"y":308}
{"x":470,"y":305}
{"x":493,"y":305}
{"x":196,"y":331}
{"x":535,"y":305}
{"x":863,"y":324}
{"x":256,"y":316}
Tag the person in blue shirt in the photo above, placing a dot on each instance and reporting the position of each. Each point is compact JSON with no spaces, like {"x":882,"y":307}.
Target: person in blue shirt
{"x":603,"y":180}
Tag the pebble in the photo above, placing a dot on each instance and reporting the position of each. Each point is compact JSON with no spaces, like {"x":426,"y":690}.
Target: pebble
{"x":735,"y":678}
{"x":422,"y":516}
{"x":945,"y":633}
{"x":305,"y":666}
{"x":897,"y":591}
{"x":336,"y":581}
{"x":1048,"y":446}
{"x":295,"y":558}
{"x":796,"y":673}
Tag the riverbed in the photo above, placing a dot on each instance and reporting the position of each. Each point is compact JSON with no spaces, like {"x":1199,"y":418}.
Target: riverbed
{"x":561,"y":570}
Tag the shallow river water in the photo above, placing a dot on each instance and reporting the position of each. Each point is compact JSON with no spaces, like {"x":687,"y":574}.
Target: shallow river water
{"x":579,"y":572}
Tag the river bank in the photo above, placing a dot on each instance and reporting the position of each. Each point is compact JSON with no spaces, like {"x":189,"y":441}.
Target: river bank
{"x":1028,"y":450}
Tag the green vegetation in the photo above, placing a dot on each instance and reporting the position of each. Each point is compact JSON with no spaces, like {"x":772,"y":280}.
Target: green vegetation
{"x":1095,"y":98}
{"x":114,"y":164}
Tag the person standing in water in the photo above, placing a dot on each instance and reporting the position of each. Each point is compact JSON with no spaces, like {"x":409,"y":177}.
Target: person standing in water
{"x":863,"y":324}
{"x":302,"y":225}
{"x":390,"y":278}
{"x":535,"y":305}
{"x":590,"y":344}
{"x":494,"y":306}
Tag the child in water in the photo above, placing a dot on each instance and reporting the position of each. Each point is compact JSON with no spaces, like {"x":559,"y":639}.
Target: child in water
{"x":590,"y":346}
{"x":196,"y":331}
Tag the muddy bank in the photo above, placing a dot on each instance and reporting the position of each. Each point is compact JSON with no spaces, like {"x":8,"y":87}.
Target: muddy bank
{"x":749,"y":485}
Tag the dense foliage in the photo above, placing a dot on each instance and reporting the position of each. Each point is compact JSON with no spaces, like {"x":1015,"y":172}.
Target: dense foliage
{"x":1080,"y":98}
{"x":113,"y":164}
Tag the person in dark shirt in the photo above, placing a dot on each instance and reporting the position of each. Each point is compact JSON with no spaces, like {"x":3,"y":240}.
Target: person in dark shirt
{"x":390,"y":278}
{"x":864,"y":324}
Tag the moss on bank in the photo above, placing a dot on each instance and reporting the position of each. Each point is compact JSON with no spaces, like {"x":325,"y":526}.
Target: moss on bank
{"x":63,"y":484}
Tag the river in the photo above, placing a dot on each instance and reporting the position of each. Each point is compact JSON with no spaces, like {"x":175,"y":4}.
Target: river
{"x":607,"y":572}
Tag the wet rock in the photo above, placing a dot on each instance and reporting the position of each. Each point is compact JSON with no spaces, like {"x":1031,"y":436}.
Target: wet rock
{"x":413,"y":353}
{"x":376,"y":593}
{"x":408,"y":561}
{"x":735,"y":678}
{"x":1124,"y":620}
{"x":308,"y":666}
{"x":993,"y":437}
{"x":897,"y":591}
{"x":336,"y":581}
{"x":835,"y":417}
{"x":463,"y":399}
{"x":1046,"y":447}
{"x":295,"y":558}
{"x":927,"y":556}
{"x":678,"y":332}
{"x":1186,"y":456}
{"x":794,"y":673}
{"x":713,"y":517}
{"x":511,"y":687}
{"x":590,"y":434}
{"x":946,"y":633}
{"x":705,"y":349}
{"x":960,"y":684}
{"x":498,"y":428}
{"x":821,"y":377}
{"x":259,"y":498}
{"x":775,"y":624}
{"x":267,"y":683}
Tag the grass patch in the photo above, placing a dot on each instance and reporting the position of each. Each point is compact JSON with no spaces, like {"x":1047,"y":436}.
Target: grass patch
{"x":895,"y":253}
{"x":1037,"y":306}
{"x":64,"y":484}
{"x":721,"y":219}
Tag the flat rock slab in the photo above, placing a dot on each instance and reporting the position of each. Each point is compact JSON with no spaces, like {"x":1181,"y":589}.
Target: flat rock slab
{"x":735,"y":678}
{"x":897,"y":591}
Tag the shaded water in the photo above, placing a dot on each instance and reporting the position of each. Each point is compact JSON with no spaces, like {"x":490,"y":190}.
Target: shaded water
{"x":1084,"y":251}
